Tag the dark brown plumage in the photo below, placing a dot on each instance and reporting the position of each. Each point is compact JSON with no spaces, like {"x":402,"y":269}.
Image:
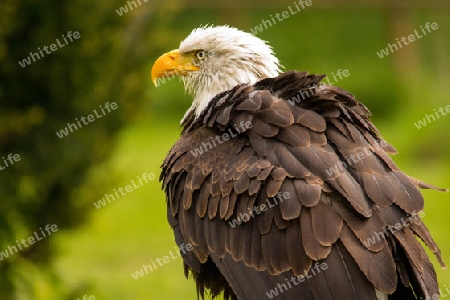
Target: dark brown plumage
{"x":329,"y":217}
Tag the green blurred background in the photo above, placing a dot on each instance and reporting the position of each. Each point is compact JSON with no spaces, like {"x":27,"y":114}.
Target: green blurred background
{"x":58,"y":180}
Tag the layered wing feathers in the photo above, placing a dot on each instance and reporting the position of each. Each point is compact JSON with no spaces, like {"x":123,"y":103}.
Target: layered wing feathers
{"x":276,"y":184}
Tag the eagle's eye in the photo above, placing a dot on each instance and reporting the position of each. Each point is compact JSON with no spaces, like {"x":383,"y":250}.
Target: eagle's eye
{"x":200,"y":54}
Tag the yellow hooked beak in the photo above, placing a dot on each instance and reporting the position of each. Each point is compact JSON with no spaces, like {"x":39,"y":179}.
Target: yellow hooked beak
{"x":172,"y":63}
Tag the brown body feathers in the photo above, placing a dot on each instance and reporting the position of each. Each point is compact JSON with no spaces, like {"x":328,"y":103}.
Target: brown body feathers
{"x":342,"y":198}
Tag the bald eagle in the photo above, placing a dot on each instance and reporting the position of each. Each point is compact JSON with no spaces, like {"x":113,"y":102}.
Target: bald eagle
{"x":274,"y":198}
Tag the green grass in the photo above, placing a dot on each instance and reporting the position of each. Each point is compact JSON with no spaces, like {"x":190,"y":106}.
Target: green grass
{"x":130,"y":232}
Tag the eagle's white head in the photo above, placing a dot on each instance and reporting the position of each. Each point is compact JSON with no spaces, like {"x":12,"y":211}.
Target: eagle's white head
{"x":213,"y":59}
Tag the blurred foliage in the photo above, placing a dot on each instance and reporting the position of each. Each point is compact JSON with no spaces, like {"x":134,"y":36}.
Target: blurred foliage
{"x":57,"y":180}
{"x":40,"y":99}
